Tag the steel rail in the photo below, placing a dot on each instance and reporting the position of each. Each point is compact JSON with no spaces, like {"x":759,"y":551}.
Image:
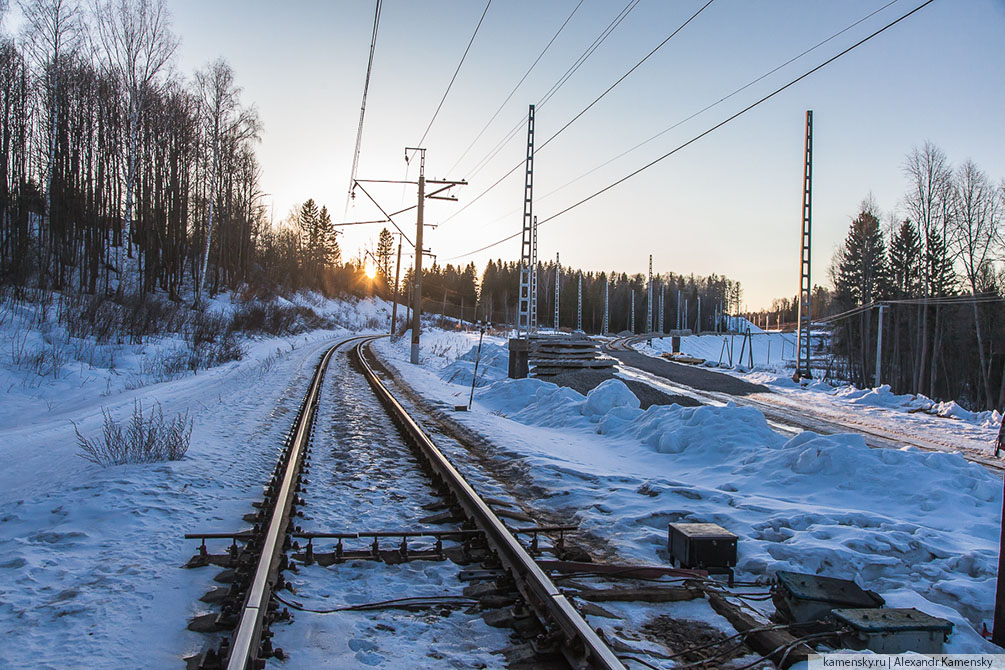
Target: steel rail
{"x":246,"y":638}
{"x":581,"y":645}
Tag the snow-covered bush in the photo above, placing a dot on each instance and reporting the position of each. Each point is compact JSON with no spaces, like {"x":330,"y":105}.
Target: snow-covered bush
{"x":123,"y":317}
{"x":144,"y":439}
{"x":275,"y":318}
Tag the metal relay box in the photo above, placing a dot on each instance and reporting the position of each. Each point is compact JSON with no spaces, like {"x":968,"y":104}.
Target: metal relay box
{"x":894,"y":631}
{"x":705,"y":546}
{"x":804,"y":598}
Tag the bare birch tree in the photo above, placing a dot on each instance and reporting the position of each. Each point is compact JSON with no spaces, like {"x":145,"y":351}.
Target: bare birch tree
{"x":53,"y":29}
{"x":927,"y":203}
{"x":136,"y":43}
{"x":976,"y":215}
{"x":227,"y":125}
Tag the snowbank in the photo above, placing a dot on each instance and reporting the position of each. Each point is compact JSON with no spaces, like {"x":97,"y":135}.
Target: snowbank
{"x":918,"y":526}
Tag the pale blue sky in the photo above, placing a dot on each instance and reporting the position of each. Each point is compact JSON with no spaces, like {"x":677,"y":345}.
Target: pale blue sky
{"x":730,"y":203}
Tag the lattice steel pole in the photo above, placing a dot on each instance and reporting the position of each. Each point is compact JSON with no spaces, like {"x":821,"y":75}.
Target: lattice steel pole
{"x":527,"y":243}
{"x":533,"y":278}
{"x":579,"y":305}
{"x":663,"y":295}
{"x":678,"y":309}
{"x":607,"y":305}
{"x":649,"y":298}
{"x":632,"y":322}
{"x":805,"y":287}
{"x":558,"y":281}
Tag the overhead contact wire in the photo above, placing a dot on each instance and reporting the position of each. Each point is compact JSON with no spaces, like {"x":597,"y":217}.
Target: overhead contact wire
{"x":599,"y":40}
{"x":458,"y":69}
{"x":723,"y":99}
{"x":362,"y":108}
{"x":518,"y":84}
{"x":589,"y":106}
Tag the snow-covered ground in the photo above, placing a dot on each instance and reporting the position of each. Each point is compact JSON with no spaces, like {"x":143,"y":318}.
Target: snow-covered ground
{"x":921,"y":528}
{"x":90,"y":558}
{"x":365,"y":478}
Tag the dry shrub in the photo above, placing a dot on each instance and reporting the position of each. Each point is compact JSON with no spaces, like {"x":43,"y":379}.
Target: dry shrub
{"x":143,"y":439}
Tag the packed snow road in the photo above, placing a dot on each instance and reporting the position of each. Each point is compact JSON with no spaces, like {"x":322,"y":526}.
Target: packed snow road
{"x":795,"y":414}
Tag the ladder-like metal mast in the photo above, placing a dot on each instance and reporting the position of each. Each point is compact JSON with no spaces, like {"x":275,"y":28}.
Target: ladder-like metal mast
{"x":805,"y":287}
{"x":523,"y":323}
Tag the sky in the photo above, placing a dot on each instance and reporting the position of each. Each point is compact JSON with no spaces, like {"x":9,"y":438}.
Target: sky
{"x":729,"y":203}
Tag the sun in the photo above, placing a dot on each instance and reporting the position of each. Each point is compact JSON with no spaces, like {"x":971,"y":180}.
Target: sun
{"x":371,"y":271}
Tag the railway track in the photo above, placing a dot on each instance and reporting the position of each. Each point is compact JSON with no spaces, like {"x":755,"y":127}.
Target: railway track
{"x":791,"y":419}
{"x":264,"y":564}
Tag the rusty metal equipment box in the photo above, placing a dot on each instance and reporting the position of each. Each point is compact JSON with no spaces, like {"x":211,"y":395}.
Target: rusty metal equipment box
{"x":803,"y":598}
{"x":705,"y":546}
{"x":894,"y":631}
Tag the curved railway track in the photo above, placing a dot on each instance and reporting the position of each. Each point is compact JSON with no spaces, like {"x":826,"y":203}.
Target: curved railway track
{"x":258,"y":558}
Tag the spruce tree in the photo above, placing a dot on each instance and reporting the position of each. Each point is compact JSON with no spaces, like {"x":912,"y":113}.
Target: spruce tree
{"x":861,"y":278}
{"x":862,"y":275}
{"x":385,"y":248}
{"x":905,"y":261}
{"x":329,"y":253}
{"x":307,"y":221}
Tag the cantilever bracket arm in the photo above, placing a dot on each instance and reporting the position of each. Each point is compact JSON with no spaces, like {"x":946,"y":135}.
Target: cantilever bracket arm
{"x":410,"y":242}
{"x":462,"y":182}
{"x":432,"y":194}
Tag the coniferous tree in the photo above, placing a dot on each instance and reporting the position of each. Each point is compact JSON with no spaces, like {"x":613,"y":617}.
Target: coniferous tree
{"x":905,"y":261}
{"x":385,"y":249}
{"x":329,"y":250}
{"x":905,"y":283}
{"x":861,"y":278}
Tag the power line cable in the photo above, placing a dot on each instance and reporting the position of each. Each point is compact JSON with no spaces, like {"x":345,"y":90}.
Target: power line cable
{"x":625,"y":75}
{"x":599,"y":40}
{"x":459,"y":64}
{"x":362,"y":108}
{"x":722,"y":99}
{"x":585,"y":109}
{"x":706,"y":108}
{"x":589,"y":51}
{"x":706,"y":132}
{"x":518,"y":84}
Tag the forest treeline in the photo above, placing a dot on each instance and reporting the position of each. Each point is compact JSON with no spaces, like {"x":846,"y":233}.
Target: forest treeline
{"x":457,"y":292}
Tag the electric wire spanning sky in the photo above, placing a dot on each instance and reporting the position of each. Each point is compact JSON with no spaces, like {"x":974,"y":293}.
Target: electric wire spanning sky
{"x":727,"y":203}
